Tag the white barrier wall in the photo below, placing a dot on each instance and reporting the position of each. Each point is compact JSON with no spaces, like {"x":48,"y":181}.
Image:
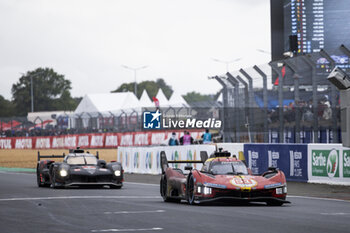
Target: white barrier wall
{"x":325,"y":163}
{"x":146,"y":160}
{"x":328,"y":163}
{"x":233,"y":148}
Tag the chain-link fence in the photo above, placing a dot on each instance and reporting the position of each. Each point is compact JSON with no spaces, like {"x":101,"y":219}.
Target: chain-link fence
{"x":286,"y":101}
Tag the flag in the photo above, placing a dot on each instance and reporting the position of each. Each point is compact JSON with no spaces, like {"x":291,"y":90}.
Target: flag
{"x":283,"y":71}
{"x":156,"y":101}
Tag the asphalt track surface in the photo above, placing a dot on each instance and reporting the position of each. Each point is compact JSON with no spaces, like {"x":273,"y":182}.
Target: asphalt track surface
{"x":138,"y":207}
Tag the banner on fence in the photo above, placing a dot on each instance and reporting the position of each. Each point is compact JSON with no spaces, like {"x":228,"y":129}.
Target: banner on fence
{"x":290,"y":158}
{"x":146,"y":160}
{"x":329,"y":163}
{"x":97,"y":140}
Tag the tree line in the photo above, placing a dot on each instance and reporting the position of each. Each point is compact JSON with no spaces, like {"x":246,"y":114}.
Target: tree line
{"x":52,"y":92}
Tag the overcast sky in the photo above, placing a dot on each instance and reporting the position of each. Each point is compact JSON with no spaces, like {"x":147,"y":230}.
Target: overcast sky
{"x":88,"y":41}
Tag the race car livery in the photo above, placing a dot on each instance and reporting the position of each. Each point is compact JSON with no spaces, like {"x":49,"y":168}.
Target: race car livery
{"x":78,"y":168}
{"x":222,"y":178}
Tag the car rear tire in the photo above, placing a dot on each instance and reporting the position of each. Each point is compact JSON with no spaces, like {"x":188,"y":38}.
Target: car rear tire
{"x":38,"y":180}
{"x":164,"y":191}
{"x":190,"y":190}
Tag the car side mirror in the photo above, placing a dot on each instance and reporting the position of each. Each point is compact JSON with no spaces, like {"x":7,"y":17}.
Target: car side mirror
{"x":101,"y":163}
{"x":188,"y":168}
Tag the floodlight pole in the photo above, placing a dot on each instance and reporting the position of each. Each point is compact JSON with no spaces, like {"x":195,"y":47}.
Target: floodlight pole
{"x":227,"y":63}
{"x":31,"y":88}
{"x":135,"y":75}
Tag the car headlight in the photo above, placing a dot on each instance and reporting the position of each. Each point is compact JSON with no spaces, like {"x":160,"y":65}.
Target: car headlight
{"x":285,"y":189}
{"x":117,"y":173}
{"x":207,"y":190}
{"x":63,"y":173}
{"x":279,"y":191}
{"x":199,"y":189}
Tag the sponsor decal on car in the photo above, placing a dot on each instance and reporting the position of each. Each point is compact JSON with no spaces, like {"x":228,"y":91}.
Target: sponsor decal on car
{"x":103,"y":169}
{"x":243,"y":182}
{"x":212,"y":185}
{"x":268,"y":186}
{"x":90,"y":169}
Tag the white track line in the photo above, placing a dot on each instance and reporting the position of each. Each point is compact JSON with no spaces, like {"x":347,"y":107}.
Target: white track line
{"x":318,"y":198}
{"x":136,"y":212}
{"x":78,"y":197}
{"x":335,"y":214}
{"x":121,"y":230}
{"x":141,"y":184}
{"x":17,"y":173}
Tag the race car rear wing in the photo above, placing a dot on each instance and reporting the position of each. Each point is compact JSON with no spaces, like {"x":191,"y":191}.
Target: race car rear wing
{"x":74,"y":151}
{"x":49,"y":156}
{"x":165,"y":163}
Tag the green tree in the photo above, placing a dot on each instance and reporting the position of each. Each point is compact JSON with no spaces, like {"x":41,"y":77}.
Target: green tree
{"x":51,"y":91}
{"x":151,"y":87}
{"x":6,"y":107}
{"x":192,"y":97}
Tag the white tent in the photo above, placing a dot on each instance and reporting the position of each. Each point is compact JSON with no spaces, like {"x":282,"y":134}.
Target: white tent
{"x":177,"y":101}
{"x":108,"y":102}
{"x":163,"y":101}
{"x":145,"y":101}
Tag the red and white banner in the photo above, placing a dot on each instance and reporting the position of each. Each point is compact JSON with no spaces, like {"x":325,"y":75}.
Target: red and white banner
{"x":97,"y":140}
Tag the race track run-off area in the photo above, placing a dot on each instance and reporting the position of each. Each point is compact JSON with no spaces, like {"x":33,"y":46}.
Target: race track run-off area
{"x":138,"y":207}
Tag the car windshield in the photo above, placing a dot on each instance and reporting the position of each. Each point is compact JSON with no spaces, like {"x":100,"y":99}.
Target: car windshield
{"x":86,"y":160}
{"x":226,"y":168}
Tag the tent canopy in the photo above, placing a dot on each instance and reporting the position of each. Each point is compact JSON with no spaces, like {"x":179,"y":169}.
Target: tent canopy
{"x":176,"y":100}
{"x":163,"y":101}
{"x":145,"y":101}
{"x":107,"y":102}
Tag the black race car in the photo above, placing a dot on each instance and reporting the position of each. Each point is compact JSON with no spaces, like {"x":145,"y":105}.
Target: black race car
{"x":78,"y":168}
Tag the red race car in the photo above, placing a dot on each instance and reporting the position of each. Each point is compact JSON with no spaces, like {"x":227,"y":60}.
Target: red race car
{"x":222,"y":178}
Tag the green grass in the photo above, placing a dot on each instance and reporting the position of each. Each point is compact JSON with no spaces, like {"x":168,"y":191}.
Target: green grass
{"x":16,"y":169}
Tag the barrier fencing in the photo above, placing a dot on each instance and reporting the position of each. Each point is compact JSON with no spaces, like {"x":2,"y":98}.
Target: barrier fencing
{"x":315,"y":163}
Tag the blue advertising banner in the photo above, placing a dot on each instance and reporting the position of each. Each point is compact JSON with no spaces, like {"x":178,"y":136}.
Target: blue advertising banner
{"x":290,"y":158}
